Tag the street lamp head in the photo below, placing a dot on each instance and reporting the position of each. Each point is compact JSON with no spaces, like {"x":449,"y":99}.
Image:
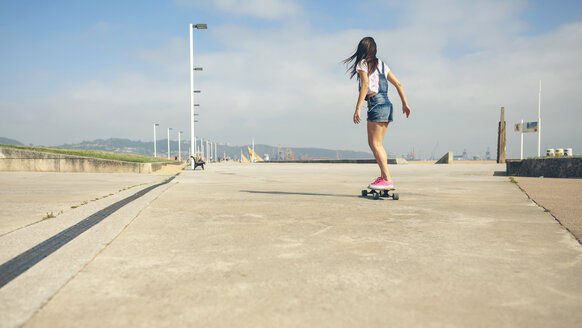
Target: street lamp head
{"x":200,"y":26}
{"x":156,"y":124}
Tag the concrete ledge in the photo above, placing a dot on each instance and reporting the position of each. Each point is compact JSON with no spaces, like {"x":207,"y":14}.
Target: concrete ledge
{"x":18,"y":160}
{"x":553,"y":167}
{"x":446,"y":159}
{"x":343,"y":161}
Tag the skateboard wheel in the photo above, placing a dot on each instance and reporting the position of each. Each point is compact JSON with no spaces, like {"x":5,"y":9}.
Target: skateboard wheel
{"x":395,"y":196}
{"x":364,"y":193}
{"x":376,"y":195}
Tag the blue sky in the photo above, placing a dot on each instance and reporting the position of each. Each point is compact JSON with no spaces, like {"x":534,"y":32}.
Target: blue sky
{"x":79,"y":70}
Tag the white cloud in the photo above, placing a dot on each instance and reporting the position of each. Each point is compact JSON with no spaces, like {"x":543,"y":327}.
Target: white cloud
{"x":265,"y":9}
{"x":171,"y":58}
{"x":270,"y":9}
{"x":290,"y":79}
{"x":103,"y":28}
{"x":286,"y":84}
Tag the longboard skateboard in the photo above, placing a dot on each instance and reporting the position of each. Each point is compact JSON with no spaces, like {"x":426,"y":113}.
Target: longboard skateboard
{"x":376,"y":193}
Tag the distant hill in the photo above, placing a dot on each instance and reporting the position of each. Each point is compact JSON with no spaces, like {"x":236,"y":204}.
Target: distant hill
{"x":117,"y":145}
{"x":127,"y":146}
{"x":7,"y":141}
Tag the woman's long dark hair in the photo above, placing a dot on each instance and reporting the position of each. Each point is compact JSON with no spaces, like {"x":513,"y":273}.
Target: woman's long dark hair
{"x":366,"y":50}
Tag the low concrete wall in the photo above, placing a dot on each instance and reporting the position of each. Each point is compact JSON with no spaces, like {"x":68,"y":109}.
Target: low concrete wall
{"x":446,"y":159}
{"x":556,"y":167}
{"x":343,"y":161}
{"x":12,"y":159}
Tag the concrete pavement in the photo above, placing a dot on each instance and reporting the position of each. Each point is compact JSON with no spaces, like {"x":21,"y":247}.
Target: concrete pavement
{"x":294,"y":245}
{"x":23,"y":296}
{"x":27,"y":197}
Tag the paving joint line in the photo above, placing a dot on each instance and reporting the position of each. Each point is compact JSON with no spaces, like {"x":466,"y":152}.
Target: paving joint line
{"x":98,"y":253}
{"x":546,"y":210}
{"x":13,"y":268}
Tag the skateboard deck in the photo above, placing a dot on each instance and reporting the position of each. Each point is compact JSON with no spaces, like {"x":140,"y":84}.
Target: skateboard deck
{"x":377,"y":193}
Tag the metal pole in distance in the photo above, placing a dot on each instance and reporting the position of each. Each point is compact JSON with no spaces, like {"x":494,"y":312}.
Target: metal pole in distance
{"x":169,"y":156}
{"x":539,"y":118}
{"x":180,"y":146}
{"x":208,"y":151}
{"x":155,"y":140}
{"x":521,"y":142}
{"x":192,"y":135}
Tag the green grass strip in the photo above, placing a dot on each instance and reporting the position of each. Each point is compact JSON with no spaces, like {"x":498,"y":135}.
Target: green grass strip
{"x":92,"y":153}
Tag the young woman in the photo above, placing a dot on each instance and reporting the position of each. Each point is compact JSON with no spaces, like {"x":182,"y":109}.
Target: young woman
{"x":373,"y":77}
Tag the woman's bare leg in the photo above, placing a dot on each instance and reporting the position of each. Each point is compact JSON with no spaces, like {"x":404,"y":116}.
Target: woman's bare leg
{"x":376,"y":133}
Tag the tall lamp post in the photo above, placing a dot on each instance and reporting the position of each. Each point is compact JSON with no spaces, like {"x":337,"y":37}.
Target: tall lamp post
{"x":192,"y":68}
{"x":155,"y":140}
{"x":169,"y":129}
{"x":180,"y":146}
{"x":539,"y":118}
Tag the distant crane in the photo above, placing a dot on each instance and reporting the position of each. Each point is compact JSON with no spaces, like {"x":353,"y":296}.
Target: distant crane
{"x":410,"y":155}
{"x":289,"y":155}
{"x":280,"y":155}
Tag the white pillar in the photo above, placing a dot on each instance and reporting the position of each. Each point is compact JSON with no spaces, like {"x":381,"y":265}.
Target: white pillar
{"x":253,"y":154}
{"x":155,"y":140}
{"x":179,"y":146}
{"x":521,"y":141}
{"x":207,"y":152}
{"x":169,"y":156}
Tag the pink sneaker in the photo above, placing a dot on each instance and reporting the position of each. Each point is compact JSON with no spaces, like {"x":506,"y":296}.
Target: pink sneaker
{"x":381,"y":184}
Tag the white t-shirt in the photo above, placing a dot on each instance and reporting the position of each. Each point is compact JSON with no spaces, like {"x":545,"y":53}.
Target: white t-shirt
{"x":373,"y":78}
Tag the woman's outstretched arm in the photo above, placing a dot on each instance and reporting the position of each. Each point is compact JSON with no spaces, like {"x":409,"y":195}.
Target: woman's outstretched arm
{"x":392,"y":79}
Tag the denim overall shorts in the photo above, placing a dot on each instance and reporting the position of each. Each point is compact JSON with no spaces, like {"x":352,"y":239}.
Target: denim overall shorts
{"x":379,"y":106}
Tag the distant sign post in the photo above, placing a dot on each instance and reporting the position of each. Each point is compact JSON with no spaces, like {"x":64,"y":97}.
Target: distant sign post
{"x":530,"y":127}
{"x":524,"y":128}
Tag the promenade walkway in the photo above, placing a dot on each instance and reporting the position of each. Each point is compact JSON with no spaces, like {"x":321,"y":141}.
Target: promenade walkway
{"x":294,"y":245}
